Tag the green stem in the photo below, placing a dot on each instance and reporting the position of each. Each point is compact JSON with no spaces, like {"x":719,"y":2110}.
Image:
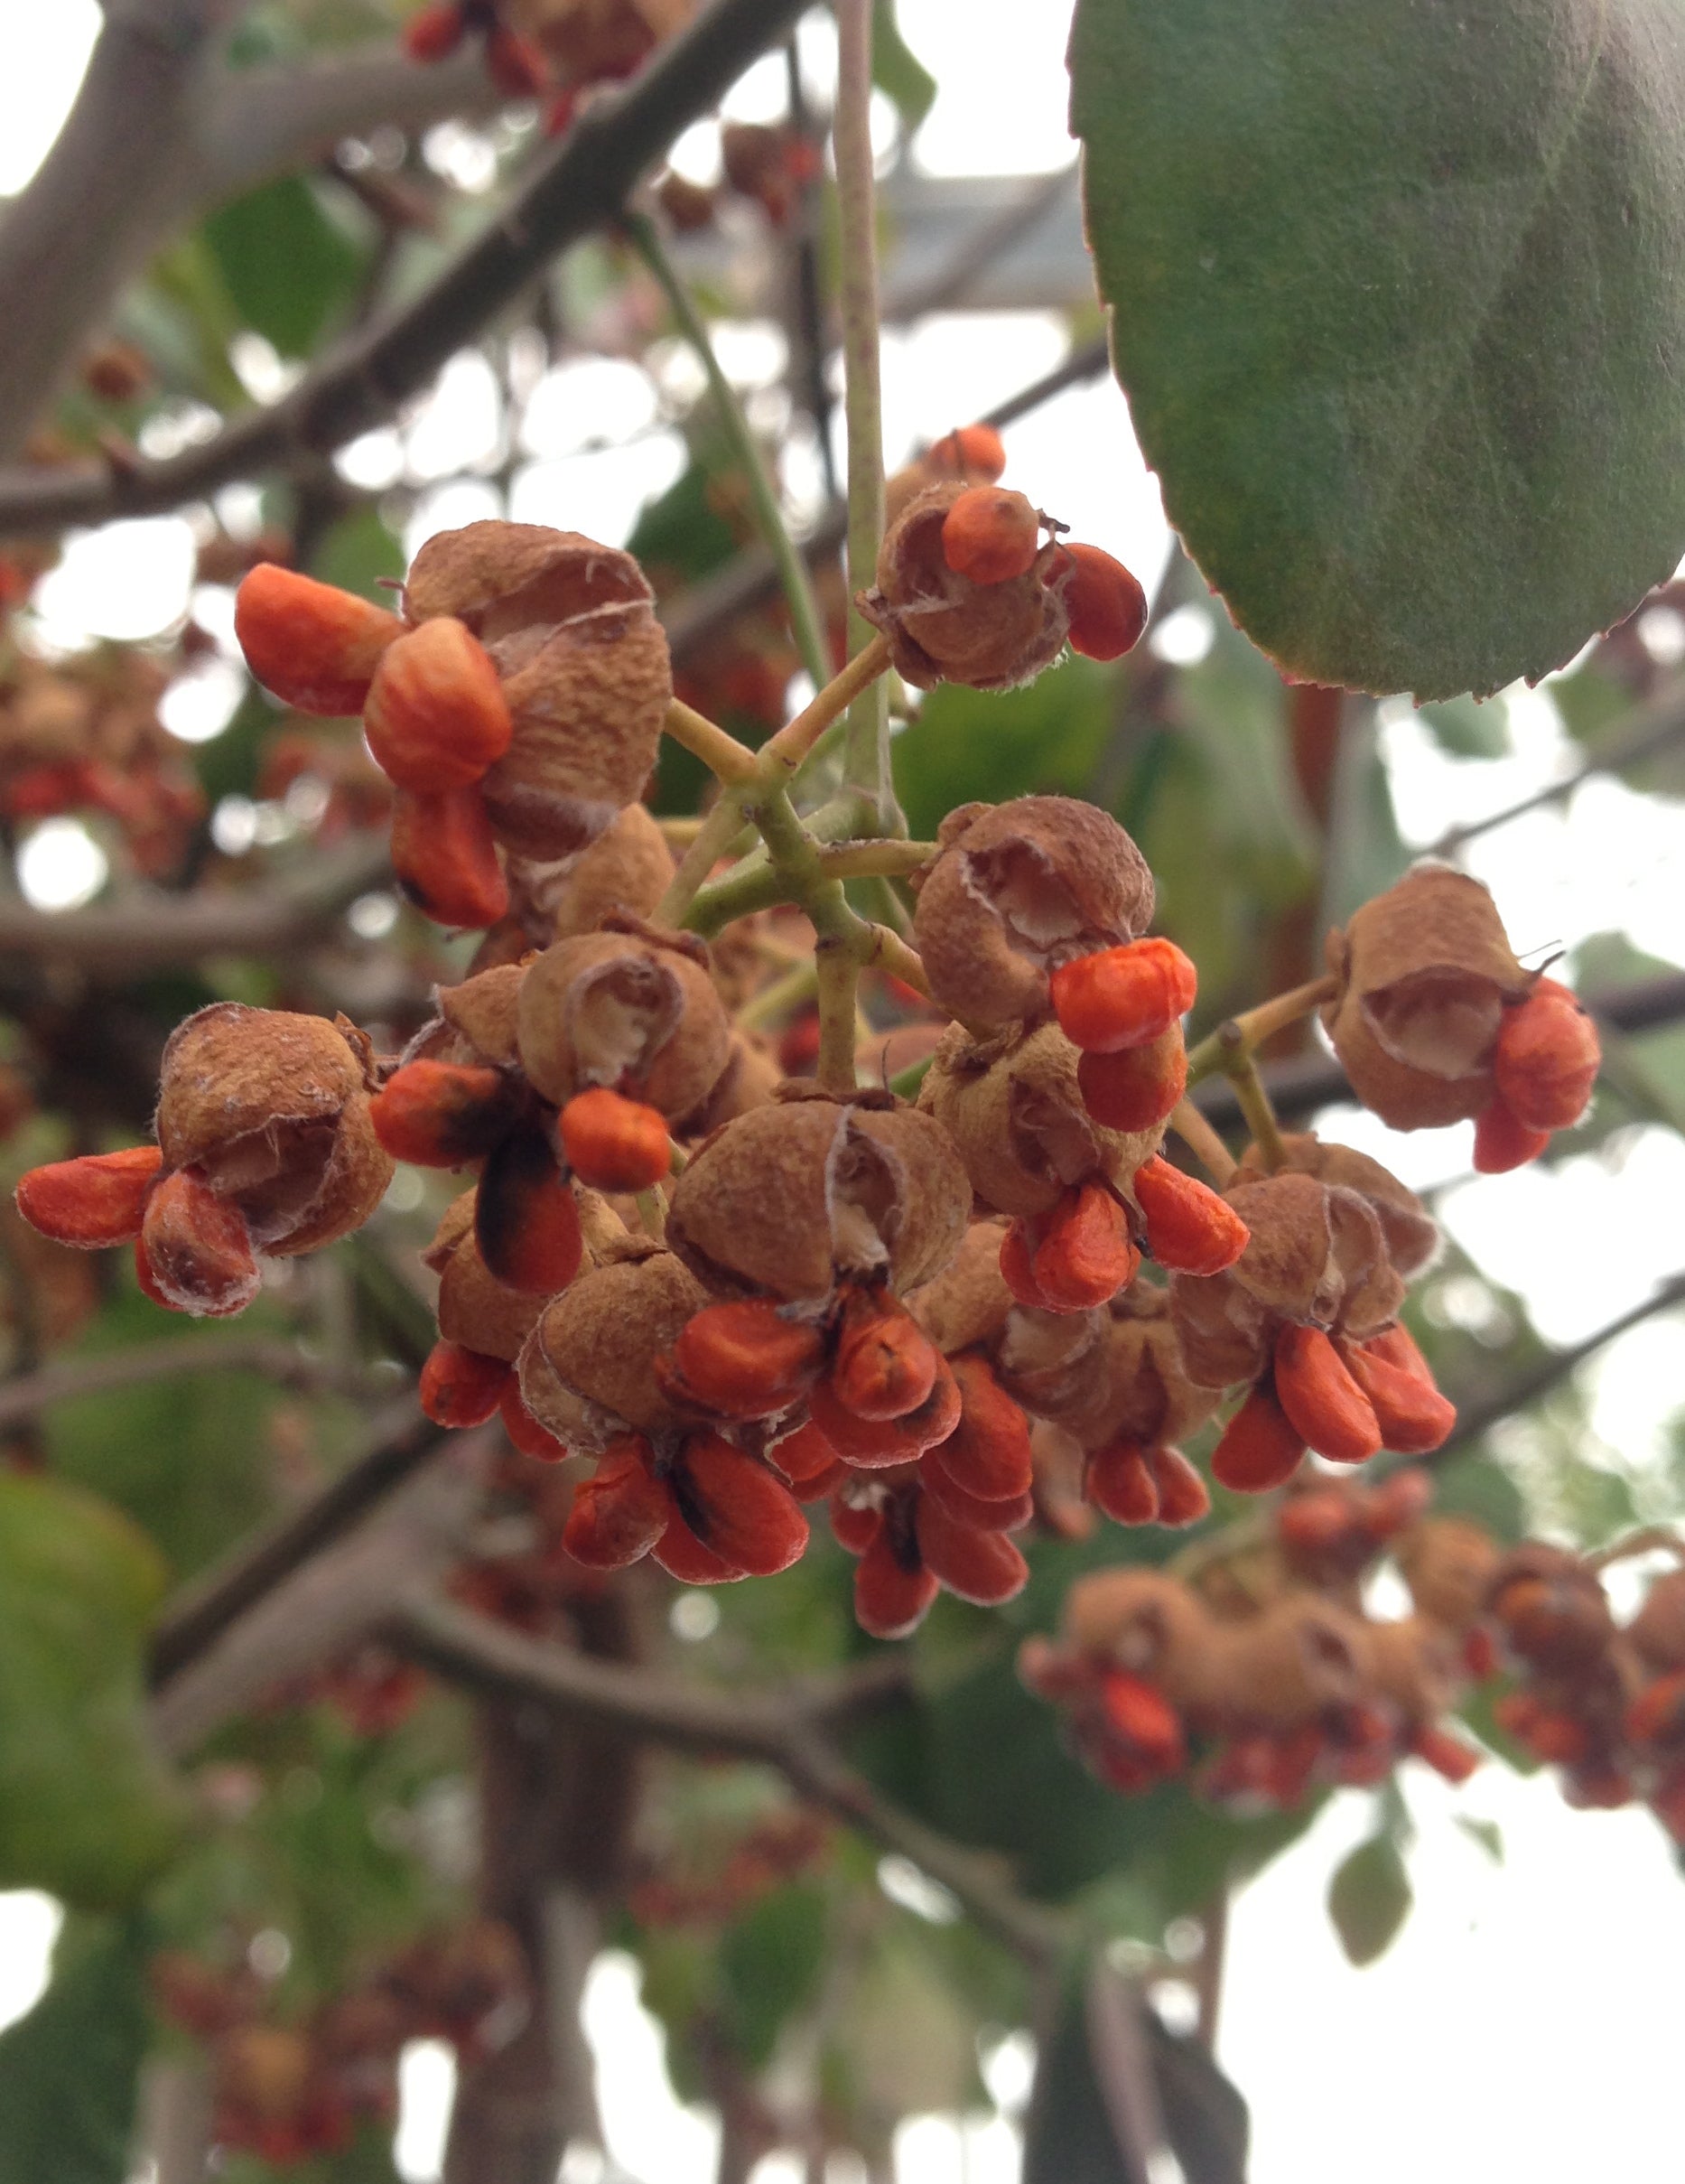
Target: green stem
{"x":1255,"y":1109}
{"x":805,"y":620}
{"x":866,"y":764}
{"x":718,"y":830}
{"x":1241,"y":1036}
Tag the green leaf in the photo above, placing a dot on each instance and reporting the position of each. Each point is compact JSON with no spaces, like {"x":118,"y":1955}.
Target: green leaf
{"x":994,"y":744}
{"x":771,"y":1962}
{"x":287,"y":266}
{"x":1487,"y":1833}
{"x":87,"y":1810}
{"x":897,"y":70}
{"x":1369,"y":1899}
{"x":68,"y":2069}
{"x":1332,"y":237}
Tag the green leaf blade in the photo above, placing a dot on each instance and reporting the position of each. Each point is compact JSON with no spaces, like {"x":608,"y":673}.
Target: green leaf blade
{"x":1399,"y":302}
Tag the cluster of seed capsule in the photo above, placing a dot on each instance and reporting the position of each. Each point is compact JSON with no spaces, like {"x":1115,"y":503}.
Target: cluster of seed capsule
{"x":289,"y":2086}
{"x":734,"y":1295}
{"x":1260,"y":1678}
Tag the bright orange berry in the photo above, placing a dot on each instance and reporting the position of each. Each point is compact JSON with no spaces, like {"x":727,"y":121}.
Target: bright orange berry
{"x":1257,"y":1448}
{"x":743,"y":1360}
{"x":1183,"y":1498}
{"x":1503,"y":1140}
{"x":1121,"y":997}
{"x":1118,"y":1480}
{"x":1546,"y":1058}
{"x":615,"y":1144}
{"x":444,"y":857}
{"x":1189,"y":1228}
{"x":885,"y":1364}
{"x":525,"y":1215}
{"x":987,"y":1454}
{"x":462,"y":1388}
{"x":1319,"y":1394}
{"x":969,"y":451}
{"x":197,"y":1247}
{"x":435,"y":717}
{"x":1077,"y":1256}
{"x":991,"y":535}
{"x":981,"y":1566}
{"x":620,"y":1511}
{"x":1136,"y":1087}
{"x":1140,"y":1714}
{"x":738,"y":1507}
{"x":1413,"y":1415}
{"x":1107,"y":607}
{"x":440,"y":1113}
{"x":515,"y":66}
{"x":893,"y":1590}
{"x":878,"y":1444}
{"x":311,"y":643}
{"x":92,"y":1202}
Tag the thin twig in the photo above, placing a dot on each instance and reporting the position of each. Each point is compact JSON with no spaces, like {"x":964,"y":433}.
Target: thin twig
{"x":1644,"y":732}
{"x":866,"y":763}
{"x":584,"y":183}
{"x":32,"y":1392}
{"x":806,"y":624}
{"x":402,"y":1441}
{"x":783,"y":1731}
{"x":1478,"y":1417}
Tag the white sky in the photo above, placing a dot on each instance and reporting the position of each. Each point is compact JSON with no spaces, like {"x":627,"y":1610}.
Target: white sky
{"x":1525,"y":2025}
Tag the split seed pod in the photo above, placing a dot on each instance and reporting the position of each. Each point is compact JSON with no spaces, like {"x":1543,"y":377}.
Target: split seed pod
{"x":626,"y":868}
{"x":942,"y":626}
{"x":1137,"y":1387}
{"x":789,"y":1198}
{"x":1317,"y":1258}
{"x":1425,"y":971}
{"x":625,"y":1009}
{"x":1017,"y":889}
{"x":1412,"y":1233}
{"x":570,"y":629}
{"x":272,"y":1109}
{"x":587,"y":1367}
{"x":1014,"y":1110}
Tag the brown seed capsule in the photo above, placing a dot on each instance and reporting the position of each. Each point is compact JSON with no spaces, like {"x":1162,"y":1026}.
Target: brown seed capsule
{"x":968,"y":1303}
{"x":1014,"y":890}
{"x":482,"y":1016}
{"x":1412,"y":1233}
{"x":588,"y":1370}
{"x":942,"y":626}
{"x":1134,"y":1386}
{"x":570,"y":629}
{"x":1013,"y":1109}
{"x":1425,"y":971}
{"x":272,"y":1109}
{"x":1291,"y":1661}
{"x":626,"y":868}
{"x":1146,"y":1623}
{"x":473,"y":1308}
{"x":624,"y":1011}
{"x":789,"y":1198}
{"x":1317,"y":1256}
{"x":1448,"y":1563}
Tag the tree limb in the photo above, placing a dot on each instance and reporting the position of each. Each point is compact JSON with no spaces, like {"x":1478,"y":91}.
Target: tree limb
{"x":255,"y":122}
{"x":779,"y":1730}
{"x":32,"y":1393}
{"x":150,"y":932}
{"x":94,"y":210}
{"x":583,"y":183}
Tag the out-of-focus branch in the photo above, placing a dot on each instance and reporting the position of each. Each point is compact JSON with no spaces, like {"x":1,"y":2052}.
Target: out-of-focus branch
{"x":101,"y":196}
{"x":1478,"y":1417}
{"x":254,"y":123}
{"x":780,"y":1730}
{"x":583,"y":183}
{"x":403,"y":1441}
{"x":124,"y":939}
{"x":32,"y":1392}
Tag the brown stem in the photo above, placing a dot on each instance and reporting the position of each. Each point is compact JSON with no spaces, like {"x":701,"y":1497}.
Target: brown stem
{"x":576,"y":189}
